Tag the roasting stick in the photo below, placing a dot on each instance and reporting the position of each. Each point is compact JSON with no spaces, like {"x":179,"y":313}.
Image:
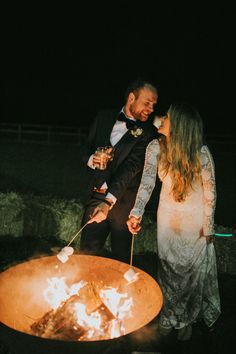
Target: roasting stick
{"x":132,"y":251}
{"x":67,"y":251}
{"x":130,"y":275}
{"x":77,"y":233}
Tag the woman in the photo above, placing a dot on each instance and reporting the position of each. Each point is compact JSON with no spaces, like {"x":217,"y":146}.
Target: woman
{"x":187,"y":270}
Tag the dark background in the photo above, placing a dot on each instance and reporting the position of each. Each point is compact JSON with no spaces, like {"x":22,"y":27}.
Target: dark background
{"x":60,"y":66}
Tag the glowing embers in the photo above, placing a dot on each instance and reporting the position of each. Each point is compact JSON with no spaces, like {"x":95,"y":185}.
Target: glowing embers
{"x":86,"y":311}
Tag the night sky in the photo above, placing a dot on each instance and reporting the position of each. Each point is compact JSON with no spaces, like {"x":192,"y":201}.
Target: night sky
{"x":62,"y":68}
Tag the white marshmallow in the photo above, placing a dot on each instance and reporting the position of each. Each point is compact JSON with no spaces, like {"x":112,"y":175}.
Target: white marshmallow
{"x":68,"y":250}
{"x":62,"y":256}
{"x":130,"y":275}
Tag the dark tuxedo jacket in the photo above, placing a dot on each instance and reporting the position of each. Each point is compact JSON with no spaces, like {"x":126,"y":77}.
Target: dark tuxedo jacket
{"x":124,"y":172}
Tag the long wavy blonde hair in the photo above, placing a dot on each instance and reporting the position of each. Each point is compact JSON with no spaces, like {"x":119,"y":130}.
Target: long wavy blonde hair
{"x":180,"y":156}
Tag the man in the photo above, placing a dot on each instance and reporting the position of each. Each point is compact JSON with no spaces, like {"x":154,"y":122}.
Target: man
{"x":113,"y":190}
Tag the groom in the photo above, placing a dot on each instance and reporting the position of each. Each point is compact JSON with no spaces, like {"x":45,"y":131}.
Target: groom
{"x":112,"y":191}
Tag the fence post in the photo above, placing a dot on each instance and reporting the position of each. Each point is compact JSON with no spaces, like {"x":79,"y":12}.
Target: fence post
{"x":49,"y":132}
{"x":19,"y":133}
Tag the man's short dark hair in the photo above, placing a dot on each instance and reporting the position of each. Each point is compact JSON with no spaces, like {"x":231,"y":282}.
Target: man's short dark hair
{"x":138,"y":84}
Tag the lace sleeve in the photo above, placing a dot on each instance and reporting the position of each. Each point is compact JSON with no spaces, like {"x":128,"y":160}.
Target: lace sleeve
{"x":209,"y":190}
{"x":148,"y":179}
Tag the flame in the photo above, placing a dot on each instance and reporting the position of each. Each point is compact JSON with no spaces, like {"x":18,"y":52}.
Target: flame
{"x":58,"y":292}
{"x":106,"y":322}
{"x":113,"y":300}
{"x":90,"y":321}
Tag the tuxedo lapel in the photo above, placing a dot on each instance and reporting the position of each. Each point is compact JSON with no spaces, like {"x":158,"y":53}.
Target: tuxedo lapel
{"x":123,"y":139}
{"x":123,"y":148}
{"x":128,"y":138}
{"x":110,"y":126}
{"x":104,"y":128}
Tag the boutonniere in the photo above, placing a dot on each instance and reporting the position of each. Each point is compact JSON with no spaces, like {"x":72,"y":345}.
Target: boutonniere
{"x":136,"y":131}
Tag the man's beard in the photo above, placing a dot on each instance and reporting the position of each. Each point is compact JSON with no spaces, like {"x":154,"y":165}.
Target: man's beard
{"x":135,"y":114}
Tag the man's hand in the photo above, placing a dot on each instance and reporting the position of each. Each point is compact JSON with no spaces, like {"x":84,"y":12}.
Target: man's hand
{"x":133,"y":224}
{"x":100,"y":213}
{"x":101,"y":157}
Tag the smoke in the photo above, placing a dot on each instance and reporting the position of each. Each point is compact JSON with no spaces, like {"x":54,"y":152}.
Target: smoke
{"x":147,"y":336}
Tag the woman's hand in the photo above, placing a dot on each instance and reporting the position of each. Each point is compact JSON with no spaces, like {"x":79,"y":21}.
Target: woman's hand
{"x":133,"y":224}
{"x":209,"y":238}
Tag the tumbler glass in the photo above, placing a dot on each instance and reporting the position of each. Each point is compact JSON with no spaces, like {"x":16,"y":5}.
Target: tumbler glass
{"x":105,"y":155}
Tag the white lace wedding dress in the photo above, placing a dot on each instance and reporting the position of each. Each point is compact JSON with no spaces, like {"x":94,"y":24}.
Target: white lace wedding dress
{"x":187,"y":270}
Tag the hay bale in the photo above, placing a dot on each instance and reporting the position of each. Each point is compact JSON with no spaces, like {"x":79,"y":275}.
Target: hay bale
{"x":39,"y":217}
{"x":11,"y":214}
{"x":47,"y":216}
{"x":69,"y":216}
{"x":225,"y":250}
{"x":146,"y":240}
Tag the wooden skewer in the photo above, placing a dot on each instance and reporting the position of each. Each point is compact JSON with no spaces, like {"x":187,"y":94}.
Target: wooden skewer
{"x":132,"y":250}
{"x":77,"y":233}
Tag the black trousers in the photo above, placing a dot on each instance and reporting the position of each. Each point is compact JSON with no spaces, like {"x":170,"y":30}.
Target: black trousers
{"x":94,"y":236}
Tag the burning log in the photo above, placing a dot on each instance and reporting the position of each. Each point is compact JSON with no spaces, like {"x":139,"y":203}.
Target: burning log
{"x":89,"y":296}
{"x":83,"y":316}
{"x":60,"y":323}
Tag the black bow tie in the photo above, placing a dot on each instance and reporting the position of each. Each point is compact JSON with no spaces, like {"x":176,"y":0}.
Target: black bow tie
{"x":129,"y":122}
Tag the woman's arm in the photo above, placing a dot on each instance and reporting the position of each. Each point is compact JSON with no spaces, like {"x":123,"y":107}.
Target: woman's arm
{"x":148,"y":179}
{"x":146,"y":187}
{"x":209,"y":190}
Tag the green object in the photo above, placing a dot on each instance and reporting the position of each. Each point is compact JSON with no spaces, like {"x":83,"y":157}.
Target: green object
{"x":223,"y":235}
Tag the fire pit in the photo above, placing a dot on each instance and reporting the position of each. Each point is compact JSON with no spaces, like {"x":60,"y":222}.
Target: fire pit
{"x":23,"y":302}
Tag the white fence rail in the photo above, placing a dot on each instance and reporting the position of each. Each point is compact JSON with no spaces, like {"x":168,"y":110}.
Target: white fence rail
{"x":42,"y":134}
{"x":50,"y":134}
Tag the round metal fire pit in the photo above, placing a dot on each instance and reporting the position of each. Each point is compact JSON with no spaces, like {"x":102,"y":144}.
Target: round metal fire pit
{"x":22,"y":300}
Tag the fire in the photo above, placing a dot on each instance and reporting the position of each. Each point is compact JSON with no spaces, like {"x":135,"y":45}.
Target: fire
{"x":114,"y":301}
{"x":57,"y":291}
{"x":84,"y":311}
